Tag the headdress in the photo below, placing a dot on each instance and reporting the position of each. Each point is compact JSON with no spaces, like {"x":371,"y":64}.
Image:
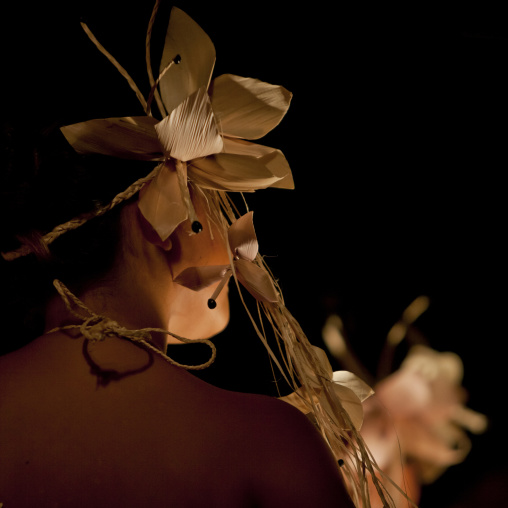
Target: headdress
{"x":200,"y":141}
{"x":418,"y":416}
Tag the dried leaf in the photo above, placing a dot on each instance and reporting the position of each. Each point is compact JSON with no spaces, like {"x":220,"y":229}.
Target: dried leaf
{"x":350,"y":402}
{"x":246,"y":107}
{"x":228,"y":172}
{"x":272,"y":158}
{"x":243,"y":167}
{"x":256,"y":281}
{"x":345,"y":378}
{"x":161,"y":203}
{"x":185,"y":38}
{"x":125,"y":138}
{"x":242,"y":238}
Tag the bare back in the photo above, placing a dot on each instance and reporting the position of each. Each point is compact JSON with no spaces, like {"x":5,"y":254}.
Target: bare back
{"x":154,"y":435}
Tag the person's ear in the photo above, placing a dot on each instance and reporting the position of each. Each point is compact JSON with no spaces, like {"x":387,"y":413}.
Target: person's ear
{"x":151,"y":235}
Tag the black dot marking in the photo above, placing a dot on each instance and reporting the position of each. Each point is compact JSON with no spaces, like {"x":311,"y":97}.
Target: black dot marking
{"x":341,"y":462}
{"x":197,"y":227}
{"x":177,"y":59}
{"x":212,"y":303}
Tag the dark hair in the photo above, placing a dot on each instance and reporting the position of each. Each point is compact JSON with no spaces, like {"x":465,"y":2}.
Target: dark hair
{"x":44,"y":183}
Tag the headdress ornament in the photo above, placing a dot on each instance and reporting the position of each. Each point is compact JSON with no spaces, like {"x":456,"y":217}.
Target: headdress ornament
{"x":201,"y":139}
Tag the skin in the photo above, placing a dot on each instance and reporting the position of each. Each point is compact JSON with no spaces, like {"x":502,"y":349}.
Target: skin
{"x":156,"y":436}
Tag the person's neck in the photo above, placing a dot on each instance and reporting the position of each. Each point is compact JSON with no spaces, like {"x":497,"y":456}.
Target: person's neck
{"x":138,"y":294}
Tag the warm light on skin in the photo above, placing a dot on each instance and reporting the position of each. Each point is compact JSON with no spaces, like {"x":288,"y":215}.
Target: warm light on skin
{"x":190,"y":315}
{"x":140,"y":292}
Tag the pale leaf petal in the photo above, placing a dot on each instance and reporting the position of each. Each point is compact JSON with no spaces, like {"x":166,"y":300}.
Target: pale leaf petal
{"x":185,"y":37}
{"x":242,"y":238}
{"x":350,"y":402}
{"x":243,"y":167}
{"x":246,"y":107}
{"x":345,"y":378}
{"x":190,"y":131}
{"x":235,"y":173}
{"x":272,"y":159}
{"x":161,"y":203}
{"x":256,"y":281}
{"x":125,"y":138}
{"x":200,"y":277}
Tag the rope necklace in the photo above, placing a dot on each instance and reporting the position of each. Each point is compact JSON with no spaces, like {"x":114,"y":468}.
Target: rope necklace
{"x":97,"y":327}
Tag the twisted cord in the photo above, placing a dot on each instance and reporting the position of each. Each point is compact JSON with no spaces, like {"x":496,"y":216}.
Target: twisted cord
{"x":115,"y":62}
{"x":96,"y":327}
{"x":81,"y":219}
{"x":154,"y":93}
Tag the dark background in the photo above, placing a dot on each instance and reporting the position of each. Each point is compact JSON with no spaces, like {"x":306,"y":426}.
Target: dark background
{"x":396,"y":138}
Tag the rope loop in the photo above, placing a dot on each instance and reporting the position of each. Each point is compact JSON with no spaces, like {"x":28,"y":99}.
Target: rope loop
{"x":97,"y":328}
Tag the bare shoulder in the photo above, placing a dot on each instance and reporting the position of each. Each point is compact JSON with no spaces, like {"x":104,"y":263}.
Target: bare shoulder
{"x":231,"y":448}
{"x":290,"y":463}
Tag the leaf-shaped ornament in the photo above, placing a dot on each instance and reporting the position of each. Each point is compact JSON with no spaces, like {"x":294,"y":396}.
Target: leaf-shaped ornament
{"x":345,"y":378}
{"x":242,"y":238}
{"x":271,"y":158}
{"x":125,"y":138}
{"x":185,"y":38}
{"x":231,"y":173}
{"x":161,"y":202}
{"x":243,"y":167}
{"x":256,"y":281}
{"x":350,"y":402}
{"x":248,"y":108}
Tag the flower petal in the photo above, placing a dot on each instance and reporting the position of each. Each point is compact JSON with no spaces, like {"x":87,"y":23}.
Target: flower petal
{"x":256,"y":281}
{"x":235,"y":173}
{"x":200,"y":277}
{"x":161,"y":202}
{"x":125,"y":138}
{"x":244,"y":167}
{"x":246,"y":107}
{"x":190,"y":130}
{"x":350,"y":402}
{"x":242,"y":238}
{"x":185,"y":38}
{"x":272,"y":158}
{"x":345,"y":378}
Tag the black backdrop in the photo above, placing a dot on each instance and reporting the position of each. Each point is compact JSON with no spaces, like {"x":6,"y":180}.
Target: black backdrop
{"x":396,"y":141}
